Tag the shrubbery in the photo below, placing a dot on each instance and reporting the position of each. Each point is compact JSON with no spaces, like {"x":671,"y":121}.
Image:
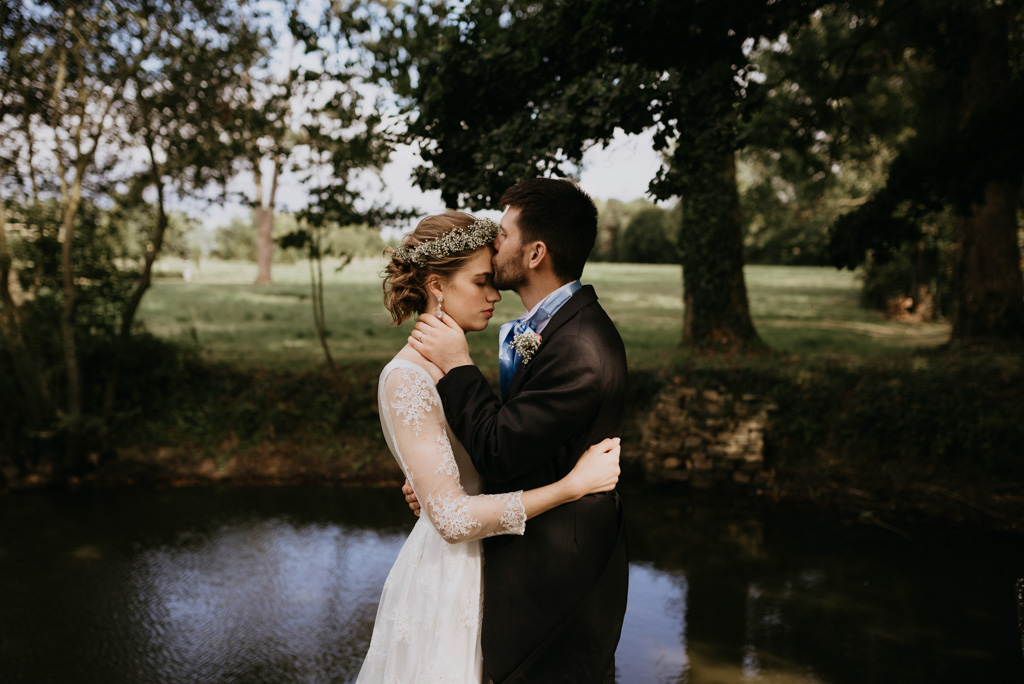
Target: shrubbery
{"x":928,"y":416}
{"x":639,"y":232}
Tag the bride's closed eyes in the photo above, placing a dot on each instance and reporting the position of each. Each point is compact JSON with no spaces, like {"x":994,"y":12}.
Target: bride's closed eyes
{"x":470,"y":295}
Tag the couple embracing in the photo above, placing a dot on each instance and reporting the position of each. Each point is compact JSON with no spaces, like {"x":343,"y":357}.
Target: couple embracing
{"x":532,"y":474}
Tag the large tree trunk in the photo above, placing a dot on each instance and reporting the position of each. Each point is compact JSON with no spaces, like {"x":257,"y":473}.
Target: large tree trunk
{"x":268,"y":205}
{"x":990,"y":296}
{"x":717,"y":313}
{"x":990,"y":292}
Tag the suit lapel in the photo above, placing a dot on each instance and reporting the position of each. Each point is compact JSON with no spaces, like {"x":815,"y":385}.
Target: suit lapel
{"x":585,"y":296}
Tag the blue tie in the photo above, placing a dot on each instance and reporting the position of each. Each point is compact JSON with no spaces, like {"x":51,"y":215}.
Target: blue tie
{"x":508,"y":357}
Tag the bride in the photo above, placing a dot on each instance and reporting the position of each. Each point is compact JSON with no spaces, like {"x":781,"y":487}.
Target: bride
{"x":428,"y":621}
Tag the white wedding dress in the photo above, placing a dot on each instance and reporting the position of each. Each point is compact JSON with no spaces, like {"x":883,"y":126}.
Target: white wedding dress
{"x":427,"y":629}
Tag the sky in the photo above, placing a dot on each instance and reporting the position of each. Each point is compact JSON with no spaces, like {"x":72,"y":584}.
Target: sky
{"x":620,"y":171}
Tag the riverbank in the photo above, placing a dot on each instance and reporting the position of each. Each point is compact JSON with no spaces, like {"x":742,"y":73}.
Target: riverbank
{"x":855,"y":412}
{"x":856,"y":495}
{"x":865,"y":495}
{"x":888,"y":440}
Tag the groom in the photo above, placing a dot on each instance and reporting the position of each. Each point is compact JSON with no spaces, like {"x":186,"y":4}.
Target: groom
{"x":554,"y":599}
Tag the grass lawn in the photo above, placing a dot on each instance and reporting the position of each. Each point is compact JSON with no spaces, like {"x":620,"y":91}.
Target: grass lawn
{"x":863,"y":404}
{"x":799,"y":310}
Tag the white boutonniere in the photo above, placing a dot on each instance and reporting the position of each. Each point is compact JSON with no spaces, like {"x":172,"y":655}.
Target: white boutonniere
{"x":526,"y":345}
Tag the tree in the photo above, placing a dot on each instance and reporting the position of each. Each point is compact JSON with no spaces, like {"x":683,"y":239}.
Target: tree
{"x":317,"y":109}
{"x":990,"y":293}
{"x":967,"y":160}
{"x":343,"y":135}
{"x":829,"y":126}
{"x":264,"y":125}
{"x":649,"y":237}
{"x":611,"y":221}
{"x":125,"y":95}
{"x":235,"y":241}
{"x":503,"y":91}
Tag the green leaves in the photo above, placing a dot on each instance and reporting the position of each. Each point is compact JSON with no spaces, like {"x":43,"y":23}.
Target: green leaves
{"x":504,"y":92}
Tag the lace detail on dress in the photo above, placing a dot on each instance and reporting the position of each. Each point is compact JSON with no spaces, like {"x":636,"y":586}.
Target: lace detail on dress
{"x":447,"y":464}
{"x":413,"y":399}
{"x":431,"y":459}
{"x":451,"y":515}
{"x":513,"y":518}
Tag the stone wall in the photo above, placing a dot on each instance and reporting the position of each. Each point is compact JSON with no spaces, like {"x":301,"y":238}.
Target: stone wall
{"x":706,"y":437}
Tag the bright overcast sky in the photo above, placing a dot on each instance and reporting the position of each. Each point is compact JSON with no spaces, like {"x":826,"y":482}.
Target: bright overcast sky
{"x":620,"y":171}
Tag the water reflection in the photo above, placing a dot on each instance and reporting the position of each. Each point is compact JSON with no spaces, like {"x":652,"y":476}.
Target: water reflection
{"x":262,"y":599}
{"x":653,"y":643}
{"x":281,"y":585}
{"x":783,"y":595}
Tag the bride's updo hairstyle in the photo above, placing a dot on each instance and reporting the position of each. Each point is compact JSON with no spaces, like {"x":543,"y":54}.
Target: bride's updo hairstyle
{"x":439,"y":245}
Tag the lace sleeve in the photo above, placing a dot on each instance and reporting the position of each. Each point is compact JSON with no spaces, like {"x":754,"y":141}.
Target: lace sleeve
{"x":421,"y":445}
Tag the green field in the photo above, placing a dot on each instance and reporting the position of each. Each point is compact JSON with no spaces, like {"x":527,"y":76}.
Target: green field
{"x":863,"y":404}
{"x":799,"y":310}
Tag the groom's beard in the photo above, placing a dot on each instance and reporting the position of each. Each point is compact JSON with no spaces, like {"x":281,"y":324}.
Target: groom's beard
{"x":511,"y":274}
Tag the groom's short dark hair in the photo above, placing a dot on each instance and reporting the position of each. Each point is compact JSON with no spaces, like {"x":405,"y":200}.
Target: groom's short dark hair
{"x":559,"y":214}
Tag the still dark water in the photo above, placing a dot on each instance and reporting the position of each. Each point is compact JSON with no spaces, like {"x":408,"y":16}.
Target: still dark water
{"x":281,"y":585}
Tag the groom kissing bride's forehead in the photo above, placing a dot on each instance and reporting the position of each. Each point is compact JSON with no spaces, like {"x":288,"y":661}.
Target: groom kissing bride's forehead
{"x":544,"y":217}
{"x":554,"y":597}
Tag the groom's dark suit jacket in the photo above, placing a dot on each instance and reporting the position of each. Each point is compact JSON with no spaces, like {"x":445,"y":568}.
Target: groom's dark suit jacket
{"x":554,"y":598}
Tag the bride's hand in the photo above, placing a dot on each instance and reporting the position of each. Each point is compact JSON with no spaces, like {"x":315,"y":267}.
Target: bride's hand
{"x":598,"y":468}
{"x":440,"y":341}
{"x":410,"y":498}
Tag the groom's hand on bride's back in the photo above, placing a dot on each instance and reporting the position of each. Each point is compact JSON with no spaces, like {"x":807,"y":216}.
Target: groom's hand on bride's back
{"x":440,"y":341}
{"x":410,"y":497}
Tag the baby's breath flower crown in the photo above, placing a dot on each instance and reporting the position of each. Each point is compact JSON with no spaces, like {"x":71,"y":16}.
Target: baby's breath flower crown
{"x":477,"y":234}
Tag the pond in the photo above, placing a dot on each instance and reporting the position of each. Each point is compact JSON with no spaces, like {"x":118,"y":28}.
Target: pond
{"x":281,"y":585}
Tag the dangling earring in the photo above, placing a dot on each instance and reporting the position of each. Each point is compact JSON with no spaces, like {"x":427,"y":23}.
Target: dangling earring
{"x":440,"y":311}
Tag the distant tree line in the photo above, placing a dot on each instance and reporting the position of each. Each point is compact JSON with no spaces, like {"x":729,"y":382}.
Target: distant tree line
{"x":636,"y":232}
{"x":237,"y":241}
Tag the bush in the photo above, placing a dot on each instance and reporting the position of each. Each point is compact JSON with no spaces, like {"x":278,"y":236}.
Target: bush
{"x":915,"y":280}
{"x":650,"y":238}
{"x":940,"y":415}
{"x":637,"y":232}
{"x":203,"y":405}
